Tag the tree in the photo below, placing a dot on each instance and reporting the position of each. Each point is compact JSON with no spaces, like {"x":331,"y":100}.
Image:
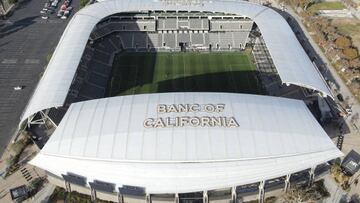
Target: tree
{"x":355,"y":64}
{"x":342,"y":42}
{"x":304,"y":194}
{"x":304,"y":4}
{"x":330,"y":31}
{"x":350,"y":53}
{"x":83,"y":3}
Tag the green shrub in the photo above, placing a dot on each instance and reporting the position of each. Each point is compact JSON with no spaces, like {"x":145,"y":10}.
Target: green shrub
{"x":13,"y":1}
{"x":350,"y":53}
{"x":83,"y":3}
{"x":342,"y":42}
{"x":35,"y":185}
{"x":58,"y":194}
{"x":18,"y":148}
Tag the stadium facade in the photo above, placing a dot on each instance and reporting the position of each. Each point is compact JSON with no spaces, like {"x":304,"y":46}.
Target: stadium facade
{"x":180,"y":146}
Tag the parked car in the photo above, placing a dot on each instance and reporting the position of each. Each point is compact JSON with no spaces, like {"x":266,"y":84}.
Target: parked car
{"x":348,"y":110}
{"x":340,"y":97}
{"x":63,"y":7}
{"x":54,"y":3}
{"x":64,"y":14}
{"x":18,"y":88}
{"x":60,"y":13}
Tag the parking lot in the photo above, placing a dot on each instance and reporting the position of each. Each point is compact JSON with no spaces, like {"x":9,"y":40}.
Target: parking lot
{"x":62,"y":9}
{"x":26,"y":41}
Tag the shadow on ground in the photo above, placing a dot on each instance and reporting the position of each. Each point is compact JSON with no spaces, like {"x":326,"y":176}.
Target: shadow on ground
{"x":17,"y":26}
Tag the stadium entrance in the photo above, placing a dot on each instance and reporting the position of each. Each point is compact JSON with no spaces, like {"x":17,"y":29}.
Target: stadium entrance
{"x":182,"y":46}
{"x":195,"y":197}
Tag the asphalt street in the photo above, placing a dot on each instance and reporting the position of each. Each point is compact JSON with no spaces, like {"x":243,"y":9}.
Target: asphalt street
{"x":25,"y":42}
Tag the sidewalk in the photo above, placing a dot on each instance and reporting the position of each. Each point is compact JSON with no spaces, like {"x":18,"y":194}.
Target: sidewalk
{"x":18,"y":179}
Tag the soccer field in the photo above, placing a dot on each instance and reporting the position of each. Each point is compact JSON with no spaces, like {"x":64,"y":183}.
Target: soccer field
{"x":137,"y":73}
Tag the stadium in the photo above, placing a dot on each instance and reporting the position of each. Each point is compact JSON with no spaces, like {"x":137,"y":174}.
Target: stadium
{"x":169,"y":101}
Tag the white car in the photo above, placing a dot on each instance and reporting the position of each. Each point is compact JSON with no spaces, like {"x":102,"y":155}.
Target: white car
{"x":18,"y":88}
{"x":348,"y":110}
{"x":54,"y":3}
{"x":60,"y":13}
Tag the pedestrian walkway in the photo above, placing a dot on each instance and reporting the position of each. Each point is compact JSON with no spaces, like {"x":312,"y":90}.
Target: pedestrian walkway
{"x":17,"y":179}
{"x":43,"y":195}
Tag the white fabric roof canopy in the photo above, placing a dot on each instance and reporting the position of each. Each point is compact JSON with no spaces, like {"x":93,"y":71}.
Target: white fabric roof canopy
{"x":105,"y":140}
{"x":291,"y":61}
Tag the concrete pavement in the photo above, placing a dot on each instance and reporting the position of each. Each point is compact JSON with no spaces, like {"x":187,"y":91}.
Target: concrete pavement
{"x":17,"y":179}
{"x":25,"y":42}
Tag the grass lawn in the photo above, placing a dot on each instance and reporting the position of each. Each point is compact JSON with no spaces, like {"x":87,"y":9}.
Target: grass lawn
{"x":326,"y":6}
{"x":137,"y":73}
{"x":349,"y":29}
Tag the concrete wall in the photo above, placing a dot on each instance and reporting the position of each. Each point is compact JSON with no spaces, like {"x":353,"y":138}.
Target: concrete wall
{"x":133,"y":199}
{"x":107,"y":196}
{"x":80,"y":189}
{"x":167,"y":198}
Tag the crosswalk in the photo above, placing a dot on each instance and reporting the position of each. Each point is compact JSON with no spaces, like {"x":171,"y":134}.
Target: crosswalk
{"x":26,"y":174}
{"x":340,"y":141}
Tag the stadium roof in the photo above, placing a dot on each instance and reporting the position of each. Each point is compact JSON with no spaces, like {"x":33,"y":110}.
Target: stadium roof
{"x":106,"y":140}
{"x":291,"y":61}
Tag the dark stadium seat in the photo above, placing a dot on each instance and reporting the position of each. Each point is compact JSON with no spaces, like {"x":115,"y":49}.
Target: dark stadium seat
{"x":102,"y":57}
{"x":301,"y":177}
{"x":92,"y":91}
{"x":56,"y":114}
{"x":115,"y":41}
{"x":98,"y":80}
{"x":247,"y":189}
{"x":100,"y":68}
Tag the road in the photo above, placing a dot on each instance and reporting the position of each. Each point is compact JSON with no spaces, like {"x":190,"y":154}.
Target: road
{"x":25,"y":42}
{"x":352,"y":139}
{"x":313,"y":50}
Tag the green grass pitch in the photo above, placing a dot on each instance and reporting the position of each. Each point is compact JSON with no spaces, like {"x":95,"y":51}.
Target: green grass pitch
{"x":138,"y":73}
